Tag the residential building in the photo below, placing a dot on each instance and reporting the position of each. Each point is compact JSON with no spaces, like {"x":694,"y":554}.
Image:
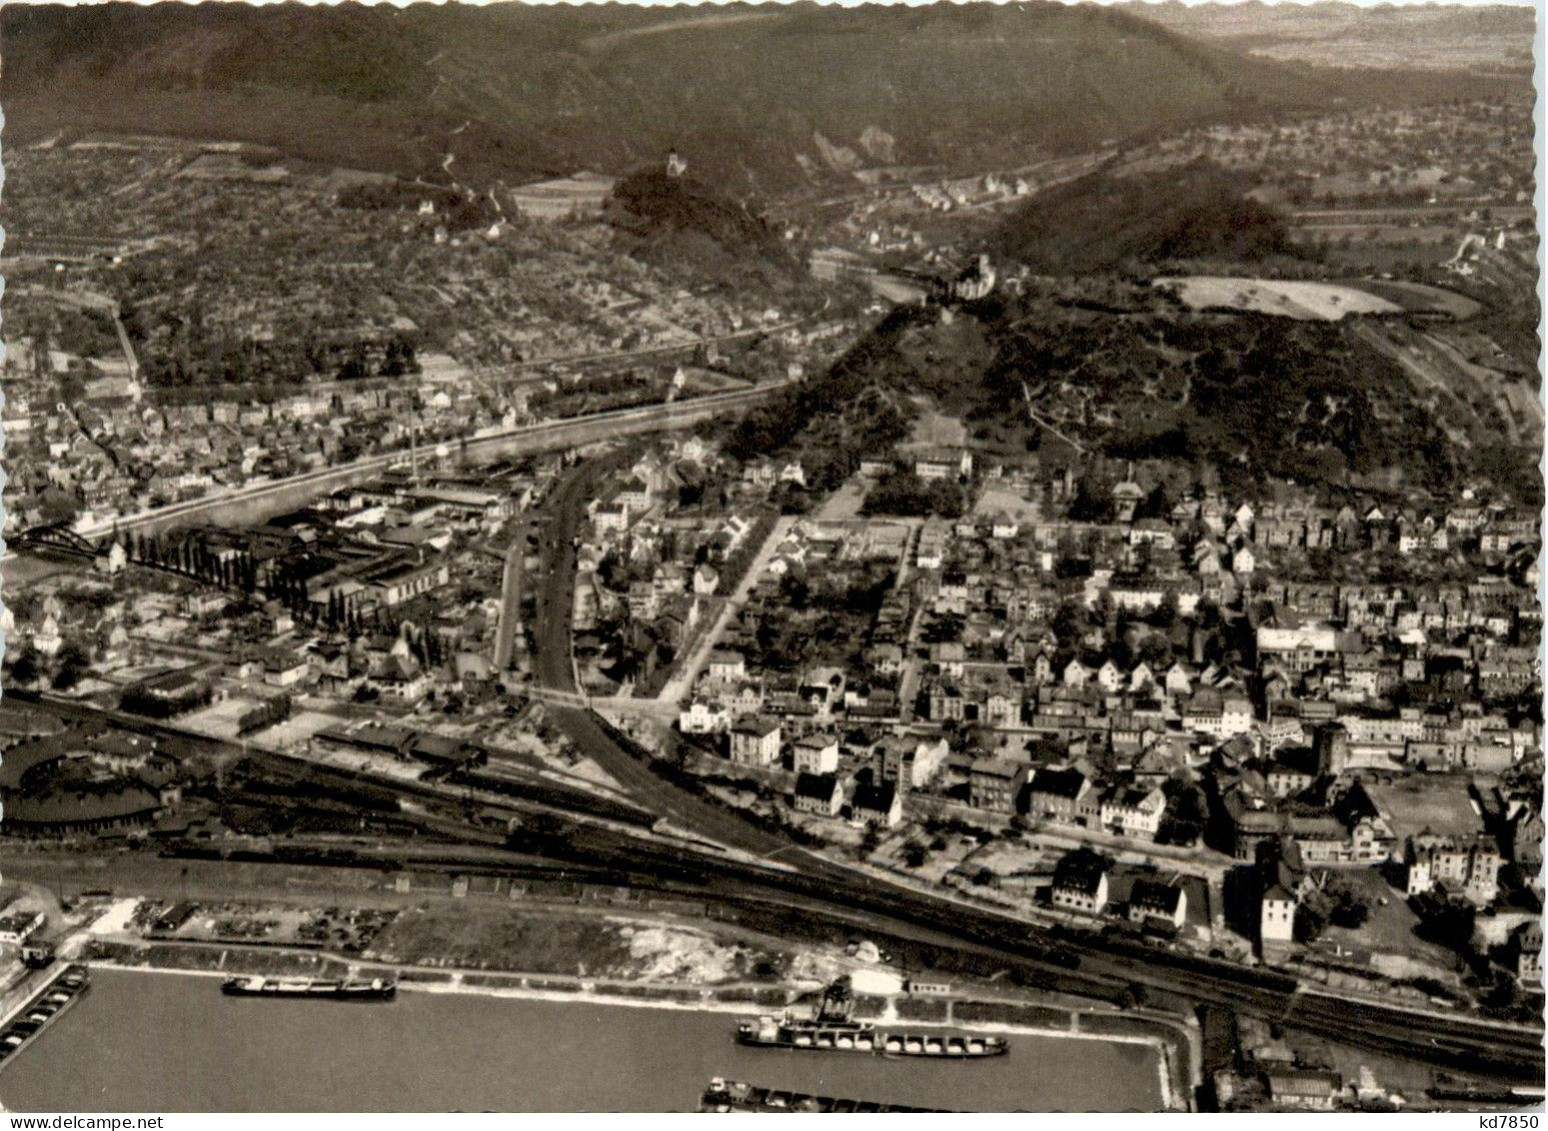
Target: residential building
{"x":755,"y":742}
{"x":821,"y":794}
{"x":1080,"y":883}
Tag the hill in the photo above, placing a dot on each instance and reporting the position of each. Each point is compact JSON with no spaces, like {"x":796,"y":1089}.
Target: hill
{"x":1424,"y":36}
{"x":1127,"y":375}
{"x":685,"y":226}
{"x":754,"y":97}
{"x":1105,"y":221}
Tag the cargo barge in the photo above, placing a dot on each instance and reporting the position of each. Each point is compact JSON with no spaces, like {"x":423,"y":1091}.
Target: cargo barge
{"x":377,"y":989}
{"x":832,"y":1029}
{"x":734,"y":1096}
{"x":49,"y":1003}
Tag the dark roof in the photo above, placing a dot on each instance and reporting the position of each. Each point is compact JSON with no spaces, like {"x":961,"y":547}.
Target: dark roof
{"x":70,"y":807}
{"x":1065,"y":783}
{"x":1294,"y":759}
{"x":997,"y":767}
{"x":872,"y":798}
{"x":368,"y":737}
{"x":816,"y":787}
{"x":176,"y":682}
{"x":1080,"y":871}
{"x":20,"y":759}
{"x":1155,"y":896}
{"x":439,"y":748}
{"x":126,"y":745}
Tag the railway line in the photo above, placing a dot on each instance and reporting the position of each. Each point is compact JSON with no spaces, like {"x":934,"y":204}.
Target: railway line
{"x":811,"y":893}
{"x":547,"y":435}
{"x":884,"y":905}
{"x":765,"y":871}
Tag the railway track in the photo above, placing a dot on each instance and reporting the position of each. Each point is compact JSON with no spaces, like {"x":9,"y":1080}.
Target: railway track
{"x":885,"y":905}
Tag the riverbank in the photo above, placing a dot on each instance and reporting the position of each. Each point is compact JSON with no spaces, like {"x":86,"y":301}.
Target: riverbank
{"x":455,"y":1047}
{"x":1166,"y":1040}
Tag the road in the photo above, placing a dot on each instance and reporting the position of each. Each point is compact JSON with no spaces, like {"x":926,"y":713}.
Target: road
{"x":326,"y":479}
{"x":688,"y":671}
{"x":291,"y":491}
{"x":823,"y":883}
{"x":555,"y":606}
{"x":810,"y":891}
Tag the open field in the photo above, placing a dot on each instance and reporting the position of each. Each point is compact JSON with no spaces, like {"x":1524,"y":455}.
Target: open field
{"x":1416,"y":806}
{"x":1326,"y":301}
{"x":501,"y":938}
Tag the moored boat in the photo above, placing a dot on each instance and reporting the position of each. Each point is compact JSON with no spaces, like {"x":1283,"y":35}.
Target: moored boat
{"x":943,"y":1048}
{"x":735,"y":1096}
{"x":831,"y":1028}
{"x":377,"y":989}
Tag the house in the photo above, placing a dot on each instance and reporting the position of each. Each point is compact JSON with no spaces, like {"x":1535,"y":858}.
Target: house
{"x":1133,"y":812}
{"x":283,"y":667}
{"x":113,"y":561}
{"x":610,"y":518}
{"x":1463,"y":866}
{"x":704,"y":717}
{"x":1526,"y":838}
{"x":48,"y":640}
{"x":877,"y":804}
{"x":168,"y":694}
{"x":706,"y":579}
{"x":1221,"y":716}
{"x":1526,"y":947}
{"x":816,"y":754}
{"x":1064,"y":797}
{"x":402,"y":680}
{"x":1281,"y":886}
{"x":727,"y":665}
{"x":912,"y":762}
{"x":1158,"y":901}
{"x":995,"y":783}
{"x":822,"y":794}
{"x":1291,"y":771}
{"x":1080,"y":883}
{"x":943,"y":465}
{"x":755,"y":742}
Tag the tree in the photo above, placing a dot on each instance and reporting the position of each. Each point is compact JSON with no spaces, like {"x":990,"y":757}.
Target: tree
{"x":870,"y":841}
{"x":1164,"y":615}
{"x":73,"y":664}
{"x":1091,"y":503}
{"x":1310,"y":922}
{"x":24,"y":668}
{"x":1069,"y":621}
{"x":58,"y":506}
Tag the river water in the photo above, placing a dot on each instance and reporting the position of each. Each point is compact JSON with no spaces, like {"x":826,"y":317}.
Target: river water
{"x":142,"y":1041}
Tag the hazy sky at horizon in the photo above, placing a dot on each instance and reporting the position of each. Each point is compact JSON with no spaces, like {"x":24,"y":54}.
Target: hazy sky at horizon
{"x":850,"y":3}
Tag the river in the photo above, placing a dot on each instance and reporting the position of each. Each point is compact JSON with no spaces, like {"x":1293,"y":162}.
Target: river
{"x":141,"y":1041}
